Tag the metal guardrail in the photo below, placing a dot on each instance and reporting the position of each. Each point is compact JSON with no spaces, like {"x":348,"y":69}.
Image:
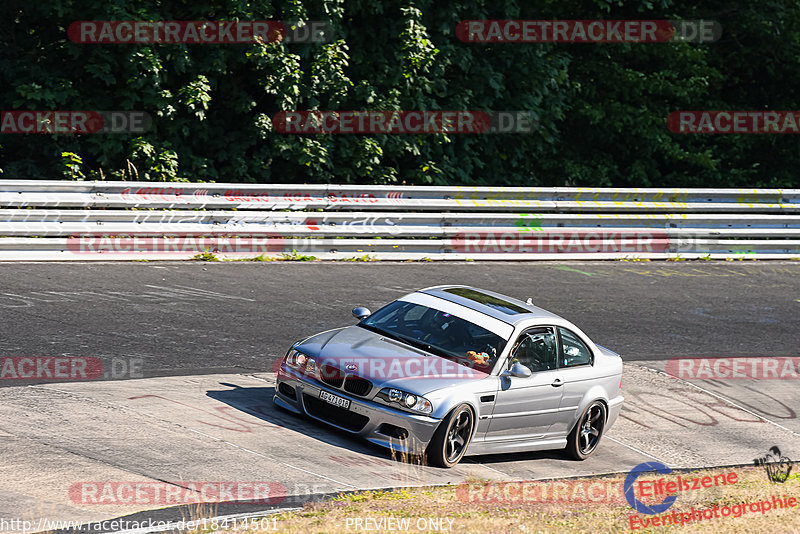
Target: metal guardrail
{"x":64,"y":220}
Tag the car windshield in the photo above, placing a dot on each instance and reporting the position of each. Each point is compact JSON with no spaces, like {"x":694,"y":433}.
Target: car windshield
{"x":437,"y":332}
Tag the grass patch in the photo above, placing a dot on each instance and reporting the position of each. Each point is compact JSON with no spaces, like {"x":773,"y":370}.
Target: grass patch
{"x":433,"y":508}
{"x":260,"y":257}
{"x":285,"y":256}
{"x":205,"y":256}
{"x":365,"y":257}
{"x":296,"y":256}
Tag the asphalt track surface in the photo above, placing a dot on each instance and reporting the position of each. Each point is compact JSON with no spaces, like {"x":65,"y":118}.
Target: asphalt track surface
{"x":205,"y":337}
{"x":196,"y":318}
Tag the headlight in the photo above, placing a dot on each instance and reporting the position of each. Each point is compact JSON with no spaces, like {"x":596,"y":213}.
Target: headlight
{"x":303,"y":363}
{"x":406,"y":400}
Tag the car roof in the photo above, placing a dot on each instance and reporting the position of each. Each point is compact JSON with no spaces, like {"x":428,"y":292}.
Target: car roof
{"x":502,"y":307}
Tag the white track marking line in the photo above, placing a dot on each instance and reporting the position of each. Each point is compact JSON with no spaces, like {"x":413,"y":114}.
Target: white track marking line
{"x":468,"y":462}
{"x":636,"y":450}
{"x":254,"y":377}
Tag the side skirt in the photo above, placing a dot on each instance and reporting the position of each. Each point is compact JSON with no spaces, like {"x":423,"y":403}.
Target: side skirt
{"x":500,"y":447}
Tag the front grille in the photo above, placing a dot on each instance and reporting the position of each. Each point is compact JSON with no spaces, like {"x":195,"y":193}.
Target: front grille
{"x":331,"y":375}
{"x":357,"y":385}
{"x":338,"y":416}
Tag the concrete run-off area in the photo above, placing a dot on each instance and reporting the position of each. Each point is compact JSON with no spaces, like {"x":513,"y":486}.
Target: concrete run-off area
{"x":82,"y":451}
{"x":178,"y":361}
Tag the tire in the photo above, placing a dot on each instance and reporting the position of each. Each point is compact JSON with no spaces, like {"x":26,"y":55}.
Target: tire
{"x":451,"y":439}
{"x":586,"y":433}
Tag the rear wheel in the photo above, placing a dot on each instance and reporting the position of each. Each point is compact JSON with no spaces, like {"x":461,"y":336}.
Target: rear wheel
{"x":583,"y":439}
{"x":451,"y":439}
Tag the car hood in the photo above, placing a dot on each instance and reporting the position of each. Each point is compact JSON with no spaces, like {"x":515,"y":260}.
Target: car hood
{"x":384,"y":361}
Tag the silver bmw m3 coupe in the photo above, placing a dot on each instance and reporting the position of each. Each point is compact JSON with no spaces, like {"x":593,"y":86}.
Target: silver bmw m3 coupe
{"x":450,"y":371}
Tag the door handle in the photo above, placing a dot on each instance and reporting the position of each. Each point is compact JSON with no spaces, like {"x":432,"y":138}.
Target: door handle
{"x":557,"y":383}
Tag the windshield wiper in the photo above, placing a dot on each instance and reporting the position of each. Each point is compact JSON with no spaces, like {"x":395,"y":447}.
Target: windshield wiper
{"x":380,"y":331}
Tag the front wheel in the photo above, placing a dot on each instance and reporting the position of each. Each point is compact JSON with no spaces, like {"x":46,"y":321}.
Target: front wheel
{"x":586,"y":434}
{"x":451,"y":439}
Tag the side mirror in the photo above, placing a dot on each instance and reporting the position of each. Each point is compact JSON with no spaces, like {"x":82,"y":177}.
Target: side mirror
{"x":518,"y":370}
{"x":361,"y":313}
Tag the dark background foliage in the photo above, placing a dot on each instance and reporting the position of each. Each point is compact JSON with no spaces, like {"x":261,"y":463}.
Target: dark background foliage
{"x":601,"y":107}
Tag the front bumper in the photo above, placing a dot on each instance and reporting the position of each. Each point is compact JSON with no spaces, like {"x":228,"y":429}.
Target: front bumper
{"x":388,"y":427}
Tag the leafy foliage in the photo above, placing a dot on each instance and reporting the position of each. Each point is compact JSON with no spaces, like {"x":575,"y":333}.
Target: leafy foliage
{"x":601,"y":108}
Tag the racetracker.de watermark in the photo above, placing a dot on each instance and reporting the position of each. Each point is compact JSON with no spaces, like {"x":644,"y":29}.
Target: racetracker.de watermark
{"x":404,"y":122}
{"x":543,"y":491}
{"x":69,"y":368}
{"x":198,"y":32}
{"x":760,"y":368}
{"x":398,"y":367}
{"x":562,"y":241}
{"x":151,"y":493}
{"x":588,"y":31}
{"x":734,"y":122}
{"x":74,"y":122}
{"x":175,"y":244}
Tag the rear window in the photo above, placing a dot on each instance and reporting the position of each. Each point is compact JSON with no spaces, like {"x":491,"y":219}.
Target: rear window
{"x":487,"y":300}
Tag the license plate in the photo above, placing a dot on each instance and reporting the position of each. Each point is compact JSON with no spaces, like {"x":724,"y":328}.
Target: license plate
{"x":336,"y":400}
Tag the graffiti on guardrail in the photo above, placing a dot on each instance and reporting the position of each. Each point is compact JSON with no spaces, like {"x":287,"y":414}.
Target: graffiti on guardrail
{"x":170,"y":194}
{"x":532,"y":224}
{"x":233,"y":195}
{"x":371,"y":225}
{"x":189,"y":195}
{"x":437,"y":221}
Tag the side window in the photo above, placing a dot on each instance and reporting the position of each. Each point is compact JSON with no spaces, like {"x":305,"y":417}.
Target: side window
{"x":573,"y":350}
{"x":536,"y":349}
